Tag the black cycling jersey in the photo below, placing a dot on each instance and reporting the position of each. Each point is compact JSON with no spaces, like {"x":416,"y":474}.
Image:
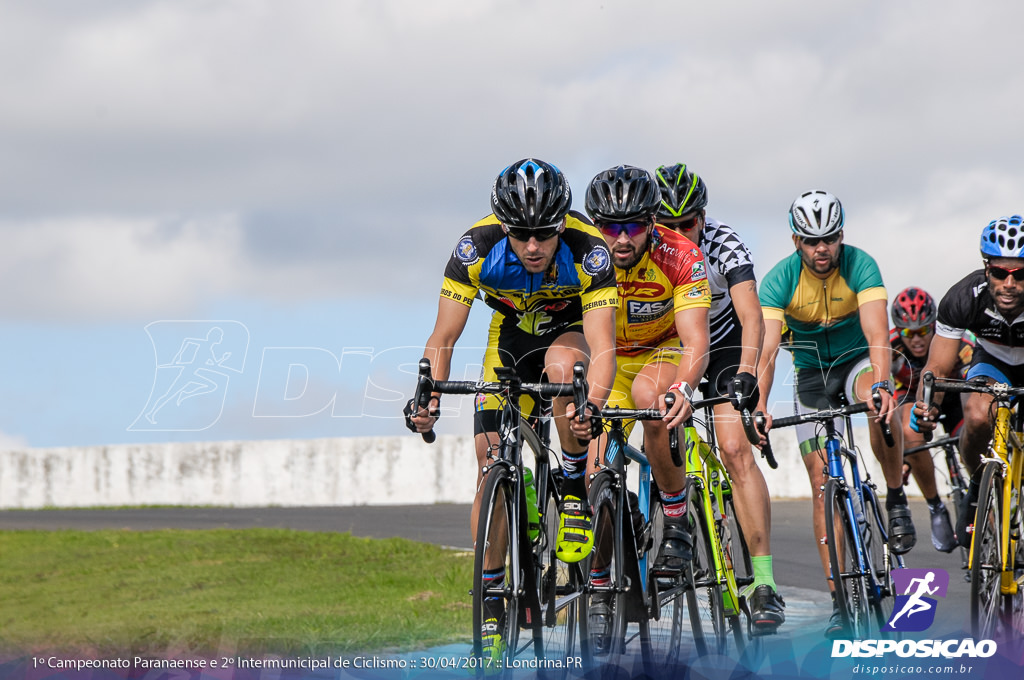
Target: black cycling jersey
{"x":969,"y":306}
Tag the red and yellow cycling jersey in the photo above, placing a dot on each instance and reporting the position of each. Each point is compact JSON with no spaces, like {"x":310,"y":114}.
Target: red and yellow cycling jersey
{"x":669,"y":278}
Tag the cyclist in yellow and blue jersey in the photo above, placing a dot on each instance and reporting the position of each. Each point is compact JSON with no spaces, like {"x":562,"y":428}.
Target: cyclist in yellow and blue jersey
{"x":832,"y":299}
{"x":661,"y":346}
{"x":547,"y":275}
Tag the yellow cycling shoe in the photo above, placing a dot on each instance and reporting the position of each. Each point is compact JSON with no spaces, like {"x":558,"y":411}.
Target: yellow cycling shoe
{"x":492,"y":648}
{"x":575,"y":533}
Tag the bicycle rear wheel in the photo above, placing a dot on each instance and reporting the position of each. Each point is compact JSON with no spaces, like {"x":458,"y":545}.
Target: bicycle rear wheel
{"x":987,"y":555}
{"x":849,"y":583}
{"x":603,"y":612}
{"x":496,"y":543}
{"x":561,"y":589}
{"x":707,"y":615}
{"x":662,"y":646}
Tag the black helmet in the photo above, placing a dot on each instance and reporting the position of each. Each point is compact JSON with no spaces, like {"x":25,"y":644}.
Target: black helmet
{"x":682,"y":191}
{"x":530,"y":194}
{"x":623,"y":194}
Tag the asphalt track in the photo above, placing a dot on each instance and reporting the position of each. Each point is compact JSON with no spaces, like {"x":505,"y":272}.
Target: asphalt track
{"x":797,"y":569}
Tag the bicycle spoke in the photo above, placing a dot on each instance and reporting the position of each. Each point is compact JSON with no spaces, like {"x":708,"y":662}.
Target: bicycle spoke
{"x":849,"y":583}
{"x":987,"y":555}
{"x":706,"y":611}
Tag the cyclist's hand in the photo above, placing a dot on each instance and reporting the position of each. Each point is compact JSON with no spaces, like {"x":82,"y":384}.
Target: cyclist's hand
{"x":882,"y":404}
{"x":591,"y":425}
{"x":681,"y":408}
{"x":763,"y":426}
{"x":743,"y":392}
{"x":422,"y":420}
{"x":924,"y":418}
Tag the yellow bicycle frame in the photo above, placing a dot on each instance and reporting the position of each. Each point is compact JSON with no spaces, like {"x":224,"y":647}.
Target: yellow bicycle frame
{"x":1008,"y":448}
{"x":704,"y":468}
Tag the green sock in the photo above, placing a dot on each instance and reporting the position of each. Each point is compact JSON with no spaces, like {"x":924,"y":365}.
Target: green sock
{"x":763,"y":573}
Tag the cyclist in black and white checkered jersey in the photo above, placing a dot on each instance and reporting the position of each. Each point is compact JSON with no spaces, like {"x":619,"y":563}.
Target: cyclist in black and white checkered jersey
{"x":737,"y":329}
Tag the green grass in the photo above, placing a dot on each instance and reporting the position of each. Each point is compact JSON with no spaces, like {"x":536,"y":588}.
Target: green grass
{"x":255,"y":590}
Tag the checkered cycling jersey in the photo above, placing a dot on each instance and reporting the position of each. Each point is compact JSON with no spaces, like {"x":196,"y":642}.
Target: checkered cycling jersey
{"x":669,"y":278}
{"x":728,"y":262}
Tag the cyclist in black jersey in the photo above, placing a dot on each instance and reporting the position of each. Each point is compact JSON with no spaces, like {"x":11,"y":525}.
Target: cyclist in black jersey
{"x":736,"y":334}
{"x":989,"y":302}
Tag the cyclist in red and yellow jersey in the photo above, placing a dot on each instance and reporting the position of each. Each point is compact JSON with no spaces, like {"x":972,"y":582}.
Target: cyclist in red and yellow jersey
{"x":661,"y":342}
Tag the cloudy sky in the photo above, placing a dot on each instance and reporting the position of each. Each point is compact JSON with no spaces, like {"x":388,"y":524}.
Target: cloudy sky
{"x":295,"y":175}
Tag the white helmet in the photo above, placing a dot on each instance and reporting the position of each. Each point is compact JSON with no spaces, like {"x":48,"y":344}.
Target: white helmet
{"x":816,"y":214}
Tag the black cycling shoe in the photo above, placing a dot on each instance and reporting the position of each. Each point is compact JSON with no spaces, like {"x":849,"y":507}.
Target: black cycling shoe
{"x":676,"y":549}
{"x":767,"y":610}
{"x":965,"y":513}
{"x":600,"y":620}
{"x":835,"y":628}
{"x":943,"y":538}
{"x":902,"y":534}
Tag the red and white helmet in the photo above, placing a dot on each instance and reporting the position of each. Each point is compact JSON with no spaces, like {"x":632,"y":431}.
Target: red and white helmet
{"x":913,"y":308}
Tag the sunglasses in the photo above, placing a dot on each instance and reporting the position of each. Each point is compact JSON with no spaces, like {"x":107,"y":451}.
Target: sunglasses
{"x":540,"y":233}
{"x":813,"y":241}
{"x":681,"y":225}
{"x":614,"y":229}
{"x":1000,"y":273}
{"x":916,"y":333}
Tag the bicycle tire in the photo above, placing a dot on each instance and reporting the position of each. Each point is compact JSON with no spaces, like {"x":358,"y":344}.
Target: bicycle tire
{"x":560,"y":585}
{"x":707,"y":615}
{"x":603,"y":647}
{"x":739,"y":552}
{"x":957,"y":492}
{"x":496,"y":525}
{"x":881,"y":597}
{"x":987,"y":555}
{"x":849,"y":585}
{"x":661,"y":641}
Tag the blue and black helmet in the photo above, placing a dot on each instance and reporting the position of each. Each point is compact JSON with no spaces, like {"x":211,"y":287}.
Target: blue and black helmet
{"x":1003,"y":237}
{"x":531,"y":194}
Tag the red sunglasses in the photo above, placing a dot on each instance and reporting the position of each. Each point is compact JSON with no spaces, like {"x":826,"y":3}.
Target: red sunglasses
{"x":1000,"y":273}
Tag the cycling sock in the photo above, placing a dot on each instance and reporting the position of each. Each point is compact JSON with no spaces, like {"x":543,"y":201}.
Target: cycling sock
{"x":763,"y":572}
{"x":934,"y":502}
{"x":601,"y":577}
{"x":493,"y":578}
{"x":574,"y":465}
{"x":673,"y":503}
{"x":895,"y":497}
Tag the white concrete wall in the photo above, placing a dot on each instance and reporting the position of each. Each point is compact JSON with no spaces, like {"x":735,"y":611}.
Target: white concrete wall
{"x":341,"y":471}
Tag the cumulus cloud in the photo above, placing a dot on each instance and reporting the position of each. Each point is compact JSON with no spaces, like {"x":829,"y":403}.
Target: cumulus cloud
{"x":298,"y":147}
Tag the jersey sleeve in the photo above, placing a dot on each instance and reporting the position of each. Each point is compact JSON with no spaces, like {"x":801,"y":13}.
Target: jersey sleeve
{"x":461,"y":274}
{"x":597,"y":272}
{"x":865,"y":278}
{"x":775,"y":292}
{"x":727,"y":253}
{"x":956,"y":307}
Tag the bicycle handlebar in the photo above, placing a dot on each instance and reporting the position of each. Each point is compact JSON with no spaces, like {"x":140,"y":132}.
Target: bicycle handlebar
{"x":932,"y":445}
{"x":507,"y":382}
{"x":821,"y":416}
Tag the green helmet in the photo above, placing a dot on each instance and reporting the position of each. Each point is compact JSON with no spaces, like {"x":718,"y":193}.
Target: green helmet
{"x":682,"y":191}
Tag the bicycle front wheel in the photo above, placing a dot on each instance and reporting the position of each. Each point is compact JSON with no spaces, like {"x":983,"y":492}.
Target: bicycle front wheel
{"x":561,"y":590}
{"x":847,"y":578}
{"x":667,"y":598}
{"x":876,"y":544}
{"x":603,"y":615}
{"x":496,"y":600}
{"x":987,"y":555}
{"x":707,"y":612}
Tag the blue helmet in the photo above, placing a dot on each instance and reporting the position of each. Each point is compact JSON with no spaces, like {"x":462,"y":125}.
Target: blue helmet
{"x":1003,"y":237}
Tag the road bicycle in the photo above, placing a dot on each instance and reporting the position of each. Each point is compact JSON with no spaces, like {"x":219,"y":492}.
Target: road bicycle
{"x":956,"y":477}
{"x":860,"y":560}
{"x":539,"y":593}
{"x":721,"y":559}
{"x":997,"y":551}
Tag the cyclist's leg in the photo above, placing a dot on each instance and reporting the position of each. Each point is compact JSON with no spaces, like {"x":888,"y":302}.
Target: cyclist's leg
{"x":923,"y":468}
{"x":813,"y":390}
{"x":749,"y":489}
{"x":902,"y":534}
{"x":575,"y":533}
{"x":652,"y":382}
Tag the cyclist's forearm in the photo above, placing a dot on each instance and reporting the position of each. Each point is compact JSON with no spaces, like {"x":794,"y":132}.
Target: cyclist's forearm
{"x":942,"y":359}
{"x":748,"y":310}
{"x":766,"y":362}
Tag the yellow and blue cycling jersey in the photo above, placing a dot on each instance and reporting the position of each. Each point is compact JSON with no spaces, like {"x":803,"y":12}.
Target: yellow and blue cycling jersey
{"x":822,"y":314}
{"x":581,"y":277}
